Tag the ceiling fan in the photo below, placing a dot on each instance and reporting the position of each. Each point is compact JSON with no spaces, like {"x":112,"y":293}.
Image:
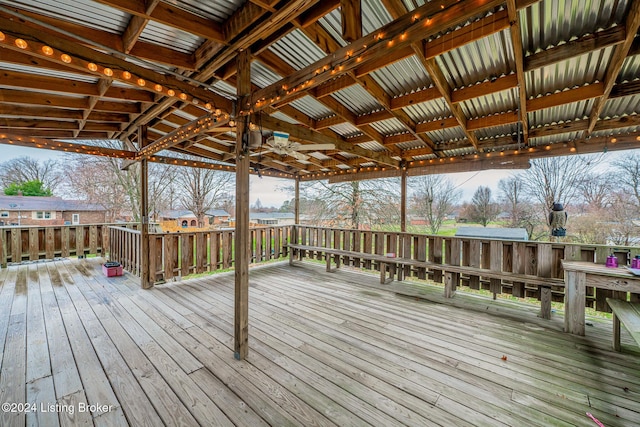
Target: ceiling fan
{"x":279,"y":143}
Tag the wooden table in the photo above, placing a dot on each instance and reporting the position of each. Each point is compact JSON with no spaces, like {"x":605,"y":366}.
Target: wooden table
{"x":578,"y":275}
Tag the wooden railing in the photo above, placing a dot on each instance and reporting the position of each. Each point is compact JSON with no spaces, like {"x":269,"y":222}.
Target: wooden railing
{"x":541,"y":259}
{"x":182,"y":254}
{"x":31,"y":243}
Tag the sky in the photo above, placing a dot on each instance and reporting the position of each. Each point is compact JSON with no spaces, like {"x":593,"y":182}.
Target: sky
{"x":270,"y":190}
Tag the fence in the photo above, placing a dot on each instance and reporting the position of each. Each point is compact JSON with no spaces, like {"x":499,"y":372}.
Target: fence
{"x":31,"y":243}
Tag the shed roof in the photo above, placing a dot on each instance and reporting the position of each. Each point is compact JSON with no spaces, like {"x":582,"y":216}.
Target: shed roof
{"x":428,"y":86}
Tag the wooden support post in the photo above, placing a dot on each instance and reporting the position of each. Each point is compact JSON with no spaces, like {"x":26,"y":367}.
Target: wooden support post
{"x":403,"y":201}
{"x":145,"y":278}
{"x":296,"y":202}
{"x":241,"y":300}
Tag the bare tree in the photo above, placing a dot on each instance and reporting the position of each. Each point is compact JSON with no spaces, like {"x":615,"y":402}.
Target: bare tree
{"x":202,"y":189}
{"x":352,"y":204}
{"x":596,"y":190}
{"x":629,"y":168}
{"x":556,"y":179}
{"x":25,"y":169}
{"x":512,"y":196}
{"x":483,"y":209}
{"x":434,"y":197}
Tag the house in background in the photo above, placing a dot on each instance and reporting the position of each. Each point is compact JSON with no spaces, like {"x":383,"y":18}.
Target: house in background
{"x":272,"y":218}
{"x":179,"y":219}
{"x":33,"y":210}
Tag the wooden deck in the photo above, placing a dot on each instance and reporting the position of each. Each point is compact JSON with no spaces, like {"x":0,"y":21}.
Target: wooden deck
{"x":325,"y":349}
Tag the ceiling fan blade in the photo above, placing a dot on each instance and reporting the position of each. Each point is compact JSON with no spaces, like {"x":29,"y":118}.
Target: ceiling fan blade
{"x":298,"y":156}
{"x":315,"y":147}
{"x":257,"y":153}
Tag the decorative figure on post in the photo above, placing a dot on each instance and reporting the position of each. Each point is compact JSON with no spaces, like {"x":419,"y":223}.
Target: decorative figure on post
{"x":558,"y":220}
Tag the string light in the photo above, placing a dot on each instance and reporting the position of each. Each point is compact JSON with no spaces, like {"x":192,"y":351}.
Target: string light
{"x":2,"y":36}
{"x":141,"y":82}
{"x":65,"y":58}
{"x":91,"y":66}
{"x":126,"y":75}
{"x":21,"y":43}
{"x":108,"y":72}
{"x":47,"y":50}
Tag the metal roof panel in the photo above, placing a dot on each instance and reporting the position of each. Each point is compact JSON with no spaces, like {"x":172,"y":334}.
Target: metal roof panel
{"x":424,"y":112}
{"x":297,"y":50}
{"x":403,"y":77}
{"x":562,"y":113}
{"x":617,"y":107}
{"x":164,"y":35}
{"x":357,"y":100}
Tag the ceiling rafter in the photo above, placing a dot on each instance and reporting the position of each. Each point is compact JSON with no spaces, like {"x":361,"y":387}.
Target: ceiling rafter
{"x":518,"y":54}
{"x":615,"y":65}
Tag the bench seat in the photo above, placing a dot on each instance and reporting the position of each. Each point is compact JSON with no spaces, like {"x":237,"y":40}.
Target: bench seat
{"x":391,"y":264}
{"x":627,"y":313}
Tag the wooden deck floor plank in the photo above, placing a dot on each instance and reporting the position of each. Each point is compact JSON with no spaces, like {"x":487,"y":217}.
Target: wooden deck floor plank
{"x":74,"y":418}
{"x":37,"y":348}
{"x":228,"y":402}
{"x":7,"y":289}
{"x":13,"y":371}
{"x":324,"y":347}
{"x":201,"y":407}
{"x":296,"y":407}
{"x":126,"y":380}
{"x":94,"y":380}
{"x":490,"y":366}
{"x":564,"y":369}
{"x":263,"y":317}
{"x":498,"y":402}
{"x":41,"y":392}
{"x":66,"y":378}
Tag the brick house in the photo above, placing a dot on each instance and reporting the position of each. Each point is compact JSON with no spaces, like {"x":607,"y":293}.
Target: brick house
{"x":32,"y":210}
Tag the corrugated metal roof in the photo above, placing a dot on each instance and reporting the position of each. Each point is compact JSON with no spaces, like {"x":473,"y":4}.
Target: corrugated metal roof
{"x":403,"y":77}
{"x":473,"y":62}
{"x":332,"y":23}
{"x":630,"y":69}
{"x":84,"y":12}
{"x":620,"y":106}
{"x":619,"y":131}
{"x":217,"y":11}
{"x":497,"y":131}
{"x":357,"y":100}
{"x":372,"y":145}
{"x":297,"y":50}
{"x":374,"y":16}
{"x":312,"y":108}
{"x":562,"y":113}
{"x":263,"y":76}
{"x":411,"y":144}
{"x":576,"y":71}
{"x":553,"y":139}
{"x":506,"y":100}
{"x":462,"y":151}
{"x":346,"y":130}
{"x":47,"y":72}
{"x":427,"y":111}
{"x":446,"y":135}
{"x":173,"y":38}
{"x":550,"y":22}
{"x":389,"y":127}
{"x":284,"y":117}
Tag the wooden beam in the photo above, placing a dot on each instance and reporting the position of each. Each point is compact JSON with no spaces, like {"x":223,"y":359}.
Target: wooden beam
{"x":172,"y":16}
{"x":589,"y":43}
{"x":566,"y":97}
{"x":351,"y":14}
{"x":9,"y":138}
{"x":272,"y":123}
{"x":146,"y":280}
{"x":518,"y":53}
{"x":485,"y":88}
{"x":403,"y":200}
{"x":618,"y":58}
{"x":400,"y":33}
{"x":80,"y":57}
{"x":241,"y":267}
{"x":415,"y":98}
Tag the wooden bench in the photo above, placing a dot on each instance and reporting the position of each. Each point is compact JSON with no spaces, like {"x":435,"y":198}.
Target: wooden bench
{"x":451,"y":272}
{"x":627,"y":313}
